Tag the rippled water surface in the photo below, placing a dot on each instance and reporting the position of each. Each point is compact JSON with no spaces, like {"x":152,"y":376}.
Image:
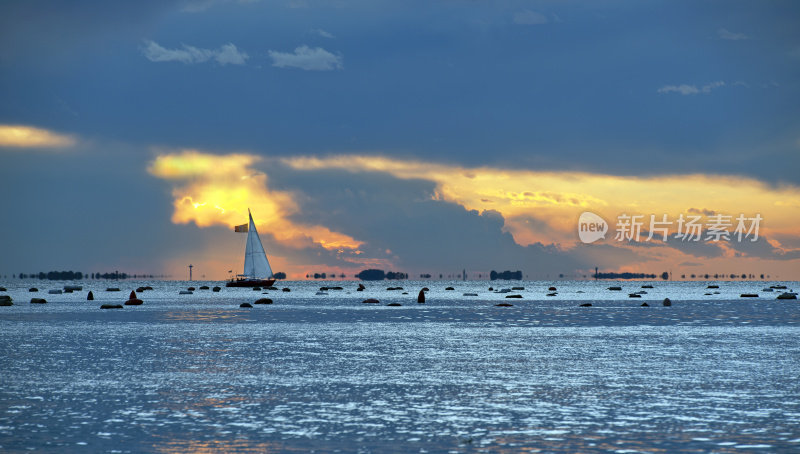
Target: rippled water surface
{"x":711,"y":373}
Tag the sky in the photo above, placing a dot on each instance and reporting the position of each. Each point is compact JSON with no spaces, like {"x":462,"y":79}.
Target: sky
{"x":415,"y":136}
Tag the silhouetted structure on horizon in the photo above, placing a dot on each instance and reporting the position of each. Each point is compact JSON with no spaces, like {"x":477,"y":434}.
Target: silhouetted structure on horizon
{"x":626,"y":275}
{"x":506,"y":275}
{"x":379,"y":275}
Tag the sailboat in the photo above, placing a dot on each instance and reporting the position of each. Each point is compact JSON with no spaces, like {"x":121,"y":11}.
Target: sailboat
{"x":257,"y":271}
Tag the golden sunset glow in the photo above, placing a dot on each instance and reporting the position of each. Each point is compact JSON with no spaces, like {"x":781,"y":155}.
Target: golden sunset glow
{"x":18,"y":136}
{"x":537,"y":206}
{"x":556,"y":199}
{"x":218,"y":190}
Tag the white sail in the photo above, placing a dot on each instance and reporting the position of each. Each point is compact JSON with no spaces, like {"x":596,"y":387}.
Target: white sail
{"x":256,"y":265}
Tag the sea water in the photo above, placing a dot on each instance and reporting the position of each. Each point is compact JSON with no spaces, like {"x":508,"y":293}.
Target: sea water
{"x":325,"y":373}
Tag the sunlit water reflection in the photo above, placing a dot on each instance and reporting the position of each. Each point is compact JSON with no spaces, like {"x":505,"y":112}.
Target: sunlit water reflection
{"x":325,"y":372}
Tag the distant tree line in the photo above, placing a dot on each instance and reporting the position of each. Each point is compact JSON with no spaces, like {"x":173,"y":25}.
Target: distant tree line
{"x":723,"y":276}
{"x":322,"y":275}
{"x":279,"y":275}
{"x":664,"y":275}
{"x":379,"y":275}
{"x":114,"y":275}
{"x":54,"y":275}
{"x":506,"y":275}
{"x":77,"y":275}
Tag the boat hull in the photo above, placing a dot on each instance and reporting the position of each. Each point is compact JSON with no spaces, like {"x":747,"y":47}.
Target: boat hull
{"x":251,"y":283}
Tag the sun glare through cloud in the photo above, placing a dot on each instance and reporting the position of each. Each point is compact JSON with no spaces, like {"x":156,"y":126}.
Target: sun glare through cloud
{"x":212,"y":189}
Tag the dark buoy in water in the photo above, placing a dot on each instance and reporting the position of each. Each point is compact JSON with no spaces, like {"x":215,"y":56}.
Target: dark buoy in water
{"x":133,"y":300}
{"x":286,"y":289}
{"x":421,"y":297}
{"x":513,"y":296}
{"x":263,"y":301}
{"x":370,"y":301}
{"x":5,"y":300}
{"x":586,"y":305}
{"x":111,"y":306}
{"x":552,"y":289}
{"x":667,"y":302}
{"x":449,"y":288}
{"x":634,"y":295}
{"x":90,"y":296}
{"x":394,"y":304}
{"x":245,"y":305}
{"x":360,"y":288}
{"x":504,"y":305}
{"x":33,"y":289}
{"x":38,"y":301}
{"x":645,"y":305}
{"x":216,"y":289}
{"x":615,"y":288}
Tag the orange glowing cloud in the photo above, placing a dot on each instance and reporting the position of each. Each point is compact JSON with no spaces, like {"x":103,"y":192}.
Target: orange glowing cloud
{"x":19,"y":136}
{"x":215,"y":189}
{"x":545,"y":205}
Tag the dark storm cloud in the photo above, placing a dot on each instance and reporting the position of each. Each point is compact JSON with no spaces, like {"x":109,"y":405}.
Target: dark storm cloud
{"x":87,"y":208}
{"x":456,"y":82}
{"x":46,"y":29}
{"x":788,"y":240}
{"x":704,"y":248}
{"x":700,"y":248}
{"x":761,"y":248}
{"x":428,"y":235}
{"x":551,"y":86}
